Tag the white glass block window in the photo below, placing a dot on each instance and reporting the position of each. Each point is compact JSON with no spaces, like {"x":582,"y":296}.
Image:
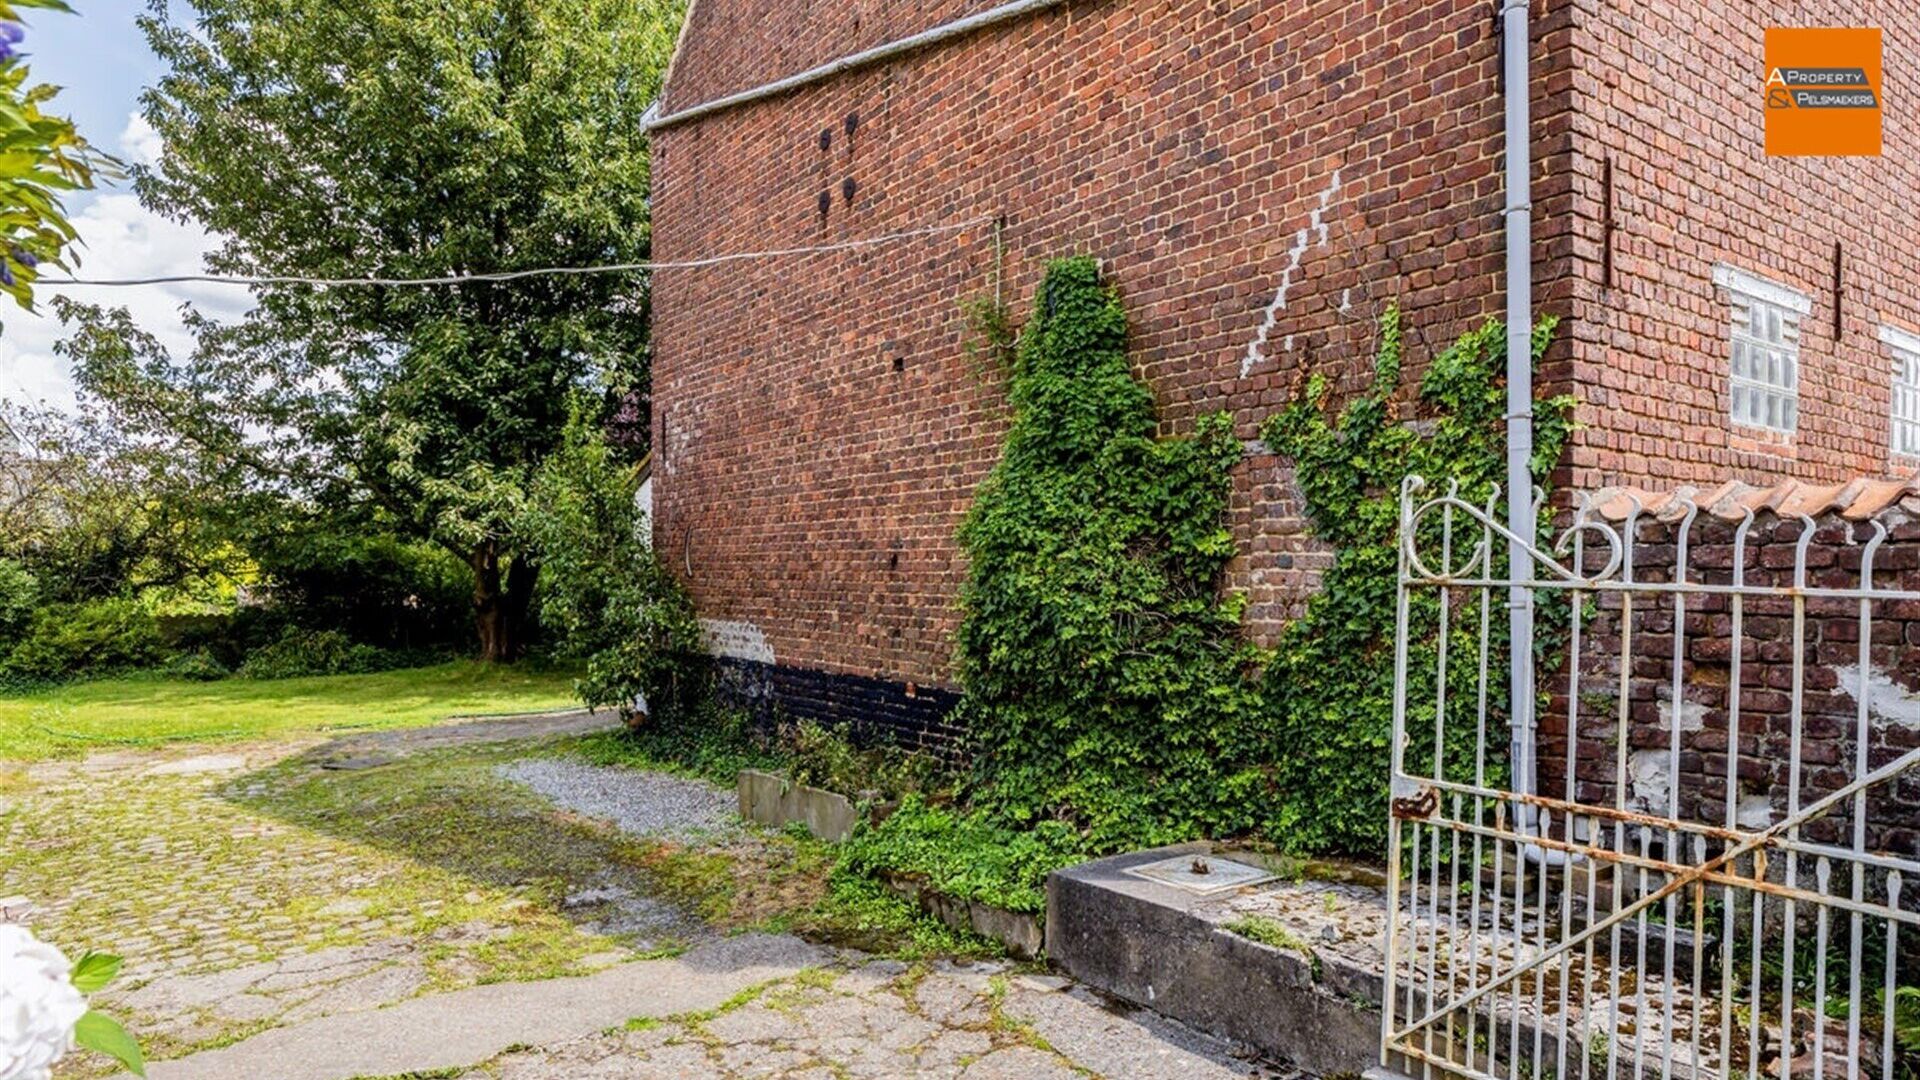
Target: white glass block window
{"x":1764,"y":342}
{"x":1905,"y":351}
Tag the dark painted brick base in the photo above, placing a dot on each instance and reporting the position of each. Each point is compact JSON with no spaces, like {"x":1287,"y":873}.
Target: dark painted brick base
{"x":870,"y":710}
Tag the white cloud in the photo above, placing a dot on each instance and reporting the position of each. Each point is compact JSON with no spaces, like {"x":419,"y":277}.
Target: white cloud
{"x":120,"y":239}
{"x":139,"y":142}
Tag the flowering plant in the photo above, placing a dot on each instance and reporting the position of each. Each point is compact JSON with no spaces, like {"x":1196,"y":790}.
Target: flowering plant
{"x":44,"y":1012}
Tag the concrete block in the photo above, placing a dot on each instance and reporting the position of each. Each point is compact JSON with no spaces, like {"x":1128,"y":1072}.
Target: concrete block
{"x":1140,"y":940}
{"x":772,"y":799}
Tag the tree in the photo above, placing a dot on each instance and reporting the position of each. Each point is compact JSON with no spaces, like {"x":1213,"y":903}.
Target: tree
{"x":92,"y":512}
{"x":402,"y":139}
{"x":41,"y":157}
{"x":606,"y":596}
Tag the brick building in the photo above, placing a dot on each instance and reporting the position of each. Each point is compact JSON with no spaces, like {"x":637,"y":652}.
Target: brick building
{"x":1258,"y":179}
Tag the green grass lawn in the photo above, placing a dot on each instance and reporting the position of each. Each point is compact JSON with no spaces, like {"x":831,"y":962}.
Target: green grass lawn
{"x":88,"y":716}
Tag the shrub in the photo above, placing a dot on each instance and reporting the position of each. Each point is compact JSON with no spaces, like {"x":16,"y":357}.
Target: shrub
{"x":225,"y":638}
{"x":19,"y":595}
{"x":965,"y":854}
{"x":195,"y":666}
{"x":356,"y":577}
{"x":604,"y":594}
{"x":302,"y":653}
{"x":827,"y":758}
{"x":1106,"y":681}
{"x":96,"y":637}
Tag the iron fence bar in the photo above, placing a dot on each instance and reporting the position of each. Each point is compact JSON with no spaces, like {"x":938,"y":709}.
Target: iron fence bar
{"x":1648,"y":864}
{"x":1796,"y":718}
{"x":1734,"y":687}
{"x":1888,"y":991}
{"x":1877,"y":860}
{"x":1701,"y":588}
{"x":1676,"y":704}
{"x":1862,"y":732}
{"x":1628,"y":535}
{"x":1402,"y":599}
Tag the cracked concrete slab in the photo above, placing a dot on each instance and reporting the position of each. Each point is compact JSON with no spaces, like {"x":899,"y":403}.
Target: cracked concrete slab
{"x":863,"y":1020}
{"x":464,"y":1027}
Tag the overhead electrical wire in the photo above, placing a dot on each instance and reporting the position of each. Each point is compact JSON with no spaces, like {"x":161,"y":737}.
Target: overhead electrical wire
{"x":514,"y":275}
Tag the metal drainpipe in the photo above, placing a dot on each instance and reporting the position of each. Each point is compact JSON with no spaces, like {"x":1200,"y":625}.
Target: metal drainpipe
{"x":1520,"y":510}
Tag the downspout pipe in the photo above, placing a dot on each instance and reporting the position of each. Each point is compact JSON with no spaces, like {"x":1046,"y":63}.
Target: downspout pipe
{"x":1520,"y":509}
{"x":854,"y":61}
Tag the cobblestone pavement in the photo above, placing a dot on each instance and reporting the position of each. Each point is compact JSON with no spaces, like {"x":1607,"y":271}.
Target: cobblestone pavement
{"x":304,"y":888}
{"x":238,"y":907}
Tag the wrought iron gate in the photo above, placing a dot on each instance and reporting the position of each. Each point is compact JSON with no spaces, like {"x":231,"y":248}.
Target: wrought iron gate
{"x":1613,"y":927}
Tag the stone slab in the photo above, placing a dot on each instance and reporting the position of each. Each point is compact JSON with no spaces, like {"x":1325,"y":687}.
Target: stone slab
{"x":772,"y":799}
{"x":1021,"y":933}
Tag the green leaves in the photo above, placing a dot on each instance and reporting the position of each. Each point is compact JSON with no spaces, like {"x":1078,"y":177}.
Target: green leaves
{"x":1105,"y":680}
{"x":607,"y":598}
{"x":41,"y":158}
{"x":94,"y":971}
{"x":1330,"y":687}
{"x":96,"y":1030}
{"x":99,"y":1032}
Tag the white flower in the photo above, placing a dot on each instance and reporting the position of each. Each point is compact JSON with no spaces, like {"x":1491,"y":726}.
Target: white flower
{"x":38,"y":1005}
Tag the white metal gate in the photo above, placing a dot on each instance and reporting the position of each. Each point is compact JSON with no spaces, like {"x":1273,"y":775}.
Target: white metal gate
{"x":1538,"y":934}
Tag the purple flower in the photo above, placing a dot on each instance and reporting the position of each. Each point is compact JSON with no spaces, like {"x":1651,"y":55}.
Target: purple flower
{"x":12,"y":32}
{"x":6,"y":273}
{"x":25,"y":258}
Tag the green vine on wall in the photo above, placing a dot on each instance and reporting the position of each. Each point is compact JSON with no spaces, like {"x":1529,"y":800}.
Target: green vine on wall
{"x":1110,"y":692}
{"x":1330,"y":685}
{"x":1107,"y":684}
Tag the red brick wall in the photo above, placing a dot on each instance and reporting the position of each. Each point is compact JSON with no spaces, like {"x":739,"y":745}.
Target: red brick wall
{"x":1670,"y":91}
{"x":819,"y":426}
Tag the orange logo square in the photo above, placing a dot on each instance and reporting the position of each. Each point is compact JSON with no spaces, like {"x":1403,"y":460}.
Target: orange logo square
{"x":1822,"y":91}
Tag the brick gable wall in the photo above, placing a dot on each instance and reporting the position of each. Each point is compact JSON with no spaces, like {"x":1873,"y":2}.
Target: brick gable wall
{"x":1257,"y":179}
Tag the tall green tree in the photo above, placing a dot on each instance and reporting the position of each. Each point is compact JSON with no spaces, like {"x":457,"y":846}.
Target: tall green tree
{"x":403,"y":139}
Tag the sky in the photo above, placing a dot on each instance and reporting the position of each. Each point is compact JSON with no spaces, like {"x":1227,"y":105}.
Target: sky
{"x":101,"y":61}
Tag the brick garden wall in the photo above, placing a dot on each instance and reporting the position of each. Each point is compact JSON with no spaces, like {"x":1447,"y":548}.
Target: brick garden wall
{"x":1258,"y":179}
{"x":1831,"y":674}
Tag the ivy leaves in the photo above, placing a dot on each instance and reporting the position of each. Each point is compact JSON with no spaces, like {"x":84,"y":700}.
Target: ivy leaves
{"x":1330,"y":687}
{"x":1107,"y":685}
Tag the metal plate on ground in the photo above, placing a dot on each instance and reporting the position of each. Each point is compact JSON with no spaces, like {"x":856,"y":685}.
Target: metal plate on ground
{"x":1202,"y":874}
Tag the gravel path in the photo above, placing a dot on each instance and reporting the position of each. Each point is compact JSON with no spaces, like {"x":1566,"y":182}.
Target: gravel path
{"x":637,"y":802}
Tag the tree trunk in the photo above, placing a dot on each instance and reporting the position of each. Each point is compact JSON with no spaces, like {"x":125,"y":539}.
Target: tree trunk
{"x":522,"y":573}
{"x":489,"y":606}
{"x":501,"y":602}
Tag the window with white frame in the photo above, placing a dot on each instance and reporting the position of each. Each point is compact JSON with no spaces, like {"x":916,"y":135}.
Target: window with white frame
{"x":1765,"y":348}
{"x":1905,"y":350}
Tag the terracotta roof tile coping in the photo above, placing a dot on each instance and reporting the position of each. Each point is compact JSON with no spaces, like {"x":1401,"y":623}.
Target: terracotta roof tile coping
{"x":1856,"y":500}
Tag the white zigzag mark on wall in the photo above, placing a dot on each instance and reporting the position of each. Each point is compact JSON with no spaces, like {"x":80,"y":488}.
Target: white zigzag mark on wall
{"x":1316,"y":231}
